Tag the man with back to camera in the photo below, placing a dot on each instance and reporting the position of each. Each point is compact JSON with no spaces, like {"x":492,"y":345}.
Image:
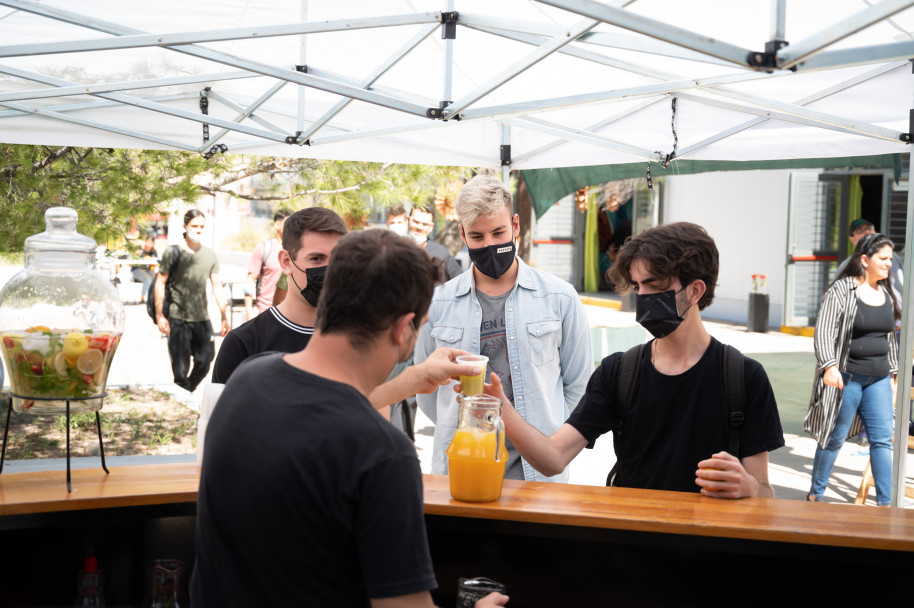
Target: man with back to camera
{"x":313,"y":498}
{"x":421,"y":222}
{"x":264,"y":266}
{"x":309,"y":236}
{"x":676,"y":427}
{"x":530,"y":324}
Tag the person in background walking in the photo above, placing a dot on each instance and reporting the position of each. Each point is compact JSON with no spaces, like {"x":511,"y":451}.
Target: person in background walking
{"x":857,"y":361}
{"x":186,"y":322}
{"x":421,"y":222}
{"x":264,"y":270}
{"x":146,"y":274}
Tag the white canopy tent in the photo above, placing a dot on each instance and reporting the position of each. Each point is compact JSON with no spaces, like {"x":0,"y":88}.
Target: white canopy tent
{"x":520,"y":84}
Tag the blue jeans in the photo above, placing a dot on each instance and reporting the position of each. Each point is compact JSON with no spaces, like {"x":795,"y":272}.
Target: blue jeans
{"x":870,"y":397}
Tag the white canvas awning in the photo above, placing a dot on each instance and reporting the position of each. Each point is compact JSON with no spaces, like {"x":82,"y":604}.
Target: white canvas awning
{"x":565,"y":83}
{"x":519,"y":83}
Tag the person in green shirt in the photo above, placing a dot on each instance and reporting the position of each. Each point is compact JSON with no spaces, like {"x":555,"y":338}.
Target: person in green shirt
{"x":186,"y":322}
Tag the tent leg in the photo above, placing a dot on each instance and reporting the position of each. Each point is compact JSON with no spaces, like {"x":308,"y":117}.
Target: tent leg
{"x":505,"y":153}
{"x":903,"y":394}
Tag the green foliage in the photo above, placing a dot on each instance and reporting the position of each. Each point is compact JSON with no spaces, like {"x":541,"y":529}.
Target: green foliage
{"x":111,"y":188}
{"x":80,"y":421}
{"x":108,"y":187}
{"x":347,"y":187}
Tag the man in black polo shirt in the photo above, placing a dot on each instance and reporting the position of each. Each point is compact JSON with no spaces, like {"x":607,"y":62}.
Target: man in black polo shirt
{"x":308,"y":497}
{"x":308,"y":238}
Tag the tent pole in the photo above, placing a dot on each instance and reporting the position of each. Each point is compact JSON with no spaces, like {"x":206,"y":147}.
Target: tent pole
{"x":541,"y":52}
{"x":778,"y":19}
{"x":505,"y":153}
{"x":789,"y":56}
{"x":247,"y":112}
{"x":447,"y":92}
{"x":98,"y":125}
{"x":569,"y":134}
{"x":302,"y":60}
{"x":903,"y":394}
{"x":589,"y":129}
{"x":382,"y":69}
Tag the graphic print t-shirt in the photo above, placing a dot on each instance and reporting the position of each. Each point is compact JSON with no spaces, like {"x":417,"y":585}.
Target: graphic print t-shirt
{"x":494,"y":345}
{"x":493,"y":342}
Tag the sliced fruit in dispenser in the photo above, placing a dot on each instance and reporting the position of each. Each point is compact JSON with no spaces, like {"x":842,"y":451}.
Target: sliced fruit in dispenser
{"x":57,"y":364}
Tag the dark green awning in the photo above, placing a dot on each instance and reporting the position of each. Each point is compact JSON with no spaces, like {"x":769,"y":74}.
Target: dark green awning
{"x":546,"y":186}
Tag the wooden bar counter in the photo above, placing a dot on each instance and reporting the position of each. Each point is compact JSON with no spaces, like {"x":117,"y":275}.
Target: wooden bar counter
{"x":552,"y":545}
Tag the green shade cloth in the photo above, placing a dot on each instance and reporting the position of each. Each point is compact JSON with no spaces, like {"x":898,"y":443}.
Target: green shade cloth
{"x":591,"y":246}
{"x":546,"y":186}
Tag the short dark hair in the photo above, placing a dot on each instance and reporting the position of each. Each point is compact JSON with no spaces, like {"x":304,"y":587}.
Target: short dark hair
{"x":857,"y":224}
{"x":423,"y":209}
{"x":374,"y":277}
{"x":312,"y":219}
{"x":396,"y":210}
{"x":280,"y":215}
{"x":681,"y":250}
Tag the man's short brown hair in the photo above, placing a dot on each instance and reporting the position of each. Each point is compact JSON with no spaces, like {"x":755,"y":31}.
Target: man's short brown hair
{"x":681,"y":251}
{"x":312,"y":219}
{"x":374,"y":277}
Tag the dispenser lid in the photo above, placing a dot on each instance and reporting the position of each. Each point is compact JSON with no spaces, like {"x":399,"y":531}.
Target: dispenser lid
{"x":60,"y":234}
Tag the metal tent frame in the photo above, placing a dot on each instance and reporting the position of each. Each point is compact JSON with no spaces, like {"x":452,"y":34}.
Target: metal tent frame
{"x":387,"y":88}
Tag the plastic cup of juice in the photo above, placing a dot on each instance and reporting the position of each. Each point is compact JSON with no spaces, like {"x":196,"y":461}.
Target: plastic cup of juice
{"x":472,"y":385}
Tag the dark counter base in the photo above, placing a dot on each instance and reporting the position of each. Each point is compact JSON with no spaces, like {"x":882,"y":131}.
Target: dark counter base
{"x":549,"y":566}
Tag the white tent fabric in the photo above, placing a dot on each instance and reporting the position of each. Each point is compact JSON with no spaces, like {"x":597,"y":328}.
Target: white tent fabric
{"x":564,"y":82}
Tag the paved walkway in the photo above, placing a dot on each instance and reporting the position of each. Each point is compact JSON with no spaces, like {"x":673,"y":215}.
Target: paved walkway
{"x":142,"y":360}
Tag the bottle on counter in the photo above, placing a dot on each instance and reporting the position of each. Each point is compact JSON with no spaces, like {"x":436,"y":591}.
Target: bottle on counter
{"x":89,"y":589}
{"x":166,"y":584}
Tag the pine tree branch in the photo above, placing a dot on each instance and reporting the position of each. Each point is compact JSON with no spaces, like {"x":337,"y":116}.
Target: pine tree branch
{"x":37,"y":165}
{"x":297,"y":193}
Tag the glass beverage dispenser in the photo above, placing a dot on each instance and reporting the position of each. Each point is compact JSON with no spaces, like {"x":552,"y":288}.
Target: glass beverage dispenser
{"x":60,"y":324}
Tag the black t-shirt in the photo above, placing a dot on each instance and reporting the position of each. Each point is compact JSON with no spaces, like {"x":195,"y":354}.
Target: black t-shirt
{"x":307,"y":497}
{"x":268,"y":331}
{"x":674,"y":422}
{"x":869,"y":349}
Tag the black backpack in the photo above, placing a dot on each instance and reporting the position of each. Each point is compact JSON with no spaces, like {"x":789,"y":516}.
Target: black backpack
{"x":151,"y":295}
{"x":627,"y":380}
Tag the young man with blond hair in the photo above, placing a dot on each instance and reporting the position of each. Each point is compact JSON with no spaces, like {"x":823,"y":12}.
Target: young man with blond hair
{"x":530,"y":324}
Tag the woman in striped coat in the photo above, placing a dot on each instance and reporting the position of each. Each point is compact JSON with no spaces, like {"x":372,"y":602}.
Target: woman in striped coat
{"x":857,"y":359}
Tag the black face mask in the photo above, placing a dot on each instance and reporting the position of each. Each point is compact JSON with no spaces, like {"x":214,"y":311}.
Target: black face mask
{"x":312,"y":291}
{"x":494,"y":260}
{"x":658,"y":312}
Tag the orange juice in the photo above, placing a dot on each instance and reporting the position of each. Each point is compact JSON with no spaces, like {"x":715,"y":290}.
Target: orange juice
{"x":474,"y":474}
{"x":473,"y":385}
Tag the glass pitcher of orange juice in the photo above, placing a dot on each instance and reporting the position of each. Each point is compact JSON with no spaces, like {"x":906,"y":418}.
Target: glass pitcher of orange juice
{"x":477,"y":455}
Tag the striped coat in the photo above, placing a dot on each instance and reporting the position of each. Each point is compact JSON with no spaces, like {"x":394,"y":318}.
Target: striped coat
{"x":832,"y":344}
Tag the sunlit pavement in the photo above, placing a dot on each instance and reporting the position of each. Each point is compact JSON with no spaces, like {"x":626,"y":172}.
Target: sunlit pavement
{"x":142,"y":360}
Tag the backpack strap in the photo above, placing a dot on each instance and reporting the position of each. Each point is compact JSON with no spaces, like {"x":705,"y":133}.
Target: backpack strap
{"x":267,"y":247}
{"x":735,"y":391}
{"x":626,"y":381}
{"x":175,"y":264}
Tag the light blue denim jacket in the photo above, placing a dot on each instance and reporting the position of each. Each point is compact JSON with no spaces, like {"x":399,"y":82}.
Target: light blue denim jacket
{"x":549,"y":353}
